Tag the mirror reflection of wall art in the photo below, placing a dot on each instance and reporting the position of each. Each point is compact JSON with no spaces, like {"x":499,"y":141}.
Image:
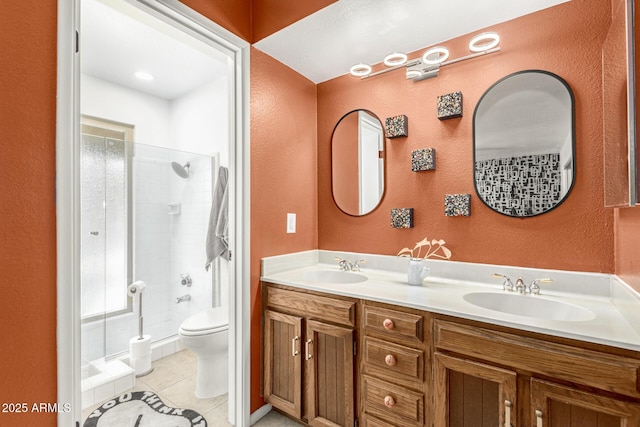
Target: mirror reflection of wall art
{"x":450,"y":106}
{"x":457,"y":204}
{"x":423,"y":159}
{"x":524,"y":144}
{"x":396,"y":126}
{"x":402,"y":218}
{"x":357,"y":163}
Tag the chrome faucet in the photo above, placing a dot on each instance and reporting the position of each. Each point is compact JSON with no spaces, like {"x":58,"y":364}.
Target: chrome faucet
{"x":342,"y":263}
{"x":186,"y":280}
{"x":520,"y":287}
{"x":534,"y":289}
{"x":183,"y":298}
{"x":507,"y":285}
{"x":356,"y":265}
{"x":348,"y":265}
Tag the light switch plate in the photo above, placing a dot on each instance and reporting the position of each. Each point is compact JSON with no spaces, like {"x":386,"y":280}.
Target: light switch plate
{"x":291,"y":223}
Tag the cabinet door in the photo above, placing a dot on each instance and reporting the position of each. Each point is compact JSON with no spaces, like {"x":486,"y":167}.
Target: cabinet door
{"x":558,"y":406}
{"x":329,"y":355}
{"x":471,"y":394}
{"x":283,"y":362}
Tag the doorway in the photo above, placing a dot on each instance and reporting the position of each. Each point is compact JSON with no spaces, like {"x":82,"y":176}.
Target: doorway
{"x":186,"y":106}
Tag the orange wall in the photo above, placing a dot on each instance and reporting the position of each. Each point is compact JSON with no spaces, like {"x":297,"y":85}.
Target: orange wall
{"x":627,"y":240}
{"x":283,"y":177}
{"x":235,"y":15}
{"x":253,"y":20}
{"x":566,"y":40}
{"x":27,"y":208}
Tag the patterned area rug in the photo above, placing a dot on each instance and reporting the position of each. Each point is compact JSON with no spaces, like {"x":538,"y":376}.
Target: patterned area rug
{"x":142,"y":409}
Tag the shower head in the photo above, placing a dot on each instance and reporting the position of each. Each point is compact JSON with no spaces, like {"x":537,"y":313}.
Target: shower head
{"x":181,"y":171}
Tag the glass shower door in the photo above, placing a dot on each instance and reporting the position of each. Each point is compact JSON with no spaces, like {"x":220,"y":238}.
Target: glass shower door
{"x":104,"y":242}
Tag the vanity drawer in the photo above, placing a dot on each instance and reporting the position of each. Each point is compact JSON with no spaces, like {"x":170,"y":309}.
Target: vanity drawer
{"x":369,"y":421}
{"x":311,"y":305}
{"x":393,"y":360}
{"x":617,"y":374}
{"x":392,"y":403}
{"x":393,"y":323}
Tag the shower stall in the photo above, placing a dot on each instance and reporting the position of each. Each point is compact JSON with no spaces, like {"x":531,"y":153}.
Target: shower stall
{"x":145,"y":213}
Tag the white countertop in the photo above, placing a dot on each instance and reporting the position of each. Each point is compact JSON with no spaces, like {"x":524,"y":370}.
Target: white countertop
{"x":444,"y":295}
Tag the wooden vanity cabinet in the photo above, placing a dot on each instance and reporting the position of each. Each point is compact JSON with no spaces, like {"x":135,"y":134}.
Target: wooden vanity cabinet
{"x":414,"y":368}
{"x":395,"y":366}
{"x":470,"y":394}
{"x":525,"y":381}
{"x":309,"y":343}
{"x":554,"y":405}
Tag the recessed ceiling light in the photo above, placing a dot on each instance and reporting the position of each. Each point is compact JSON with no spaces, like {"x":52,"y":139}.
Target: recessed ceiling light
{"x":143,"y":75}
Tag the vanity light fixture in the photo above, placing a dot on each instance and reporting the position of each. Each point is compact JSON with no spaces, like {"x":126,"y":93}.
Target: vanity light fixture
{"x":490,"y":40}
{"x":395,"y":59}
{"x":361,"y":70}
{"x":429,"y":64}
{"x":435,"y":55}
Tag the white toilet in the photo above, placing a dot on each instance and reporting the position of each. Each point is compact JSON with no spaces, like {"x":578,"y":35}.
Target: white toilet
{"x":206,"y":333}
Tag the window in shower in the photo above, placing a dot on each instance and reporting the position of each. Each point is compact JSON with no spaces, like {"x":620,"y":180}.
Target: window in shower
{"x":105,"y":165}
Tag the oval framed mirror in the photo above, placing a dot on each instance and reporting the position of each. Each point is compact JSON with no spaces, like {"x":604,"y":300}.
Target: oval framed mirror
{"x":524,"y":144}
{"x":357,"y":162}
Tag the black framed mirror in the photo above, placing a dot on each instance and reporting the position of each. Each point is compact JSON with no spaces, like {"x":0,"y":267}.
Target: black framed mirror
{"x":357,"y":162}
{"x":524,"y":143}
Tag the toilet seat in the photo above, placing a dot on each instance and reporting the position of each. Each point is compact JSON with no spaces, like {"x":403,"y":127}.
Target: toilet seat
{"x":205,"y":322}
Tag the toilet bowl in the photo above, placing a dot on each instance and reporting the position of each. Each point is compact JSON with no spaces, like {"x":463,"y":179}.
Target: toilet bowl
{"x":206,"y":333}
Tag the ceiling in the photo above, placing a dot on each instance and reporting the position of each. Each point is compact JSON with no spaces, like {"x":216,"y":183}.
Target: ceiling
{"x":327,"y":43}
{"x":117,"y":39}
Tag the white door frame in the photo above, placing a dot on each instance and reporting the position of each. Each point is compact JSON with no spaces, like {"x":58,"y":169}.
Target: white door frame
{"x":68,"y":202}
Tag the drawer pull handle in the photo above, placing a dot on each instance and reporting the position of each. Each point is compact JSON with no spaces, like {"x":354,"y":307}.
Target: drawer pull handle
{"x":538,"y":418}
{"x":294,"y":350}
{"x":507,"y":413}
{"x":308,"y":344}
{"x":388,"y":324}
{"x":389,"y":402}
{"x":390,"y":360}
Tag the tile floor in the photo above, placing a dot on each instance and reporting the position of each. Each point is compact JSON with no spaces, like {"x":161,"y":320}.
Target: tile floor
{"x":173,"y":379}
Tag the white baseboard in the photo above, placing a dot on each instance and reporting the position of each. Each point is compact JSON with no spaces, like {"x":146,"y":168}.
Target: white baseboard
{"x":261,"y":412}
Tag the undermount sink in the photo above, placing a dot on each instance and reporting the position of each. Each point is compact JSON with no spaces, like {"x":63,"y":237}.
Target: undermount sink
{"x":529,"y":306}
{"x":333,"y":276}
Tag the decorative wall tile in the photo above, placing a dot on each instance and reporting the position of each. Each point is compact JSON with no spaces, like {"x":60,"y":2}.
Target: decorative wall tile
{"x":396,"y":126}
{"x":457,"y":204}
{"x":450,"y":106}
{"x":423,"y":159}
{"x":402,"y":218}
{"x":520,"y":186}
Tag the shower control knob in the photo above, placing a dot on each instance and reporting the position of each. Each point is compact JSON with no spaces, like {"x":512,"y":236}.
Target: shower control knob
{"x":186,"y":280}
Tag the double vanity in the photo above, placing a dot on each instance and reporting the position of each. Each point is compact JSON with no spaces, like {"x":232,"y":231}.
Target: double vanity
{"x":345,"y":348}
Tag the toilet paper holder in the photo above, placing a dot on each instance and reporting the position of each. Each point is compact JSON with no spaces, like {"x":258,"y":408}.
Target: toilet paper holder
{"x":136,"y":289}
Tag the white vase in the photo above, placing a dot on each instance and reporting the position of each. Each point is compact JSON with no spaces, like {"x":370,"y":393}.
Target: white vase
{"x":417,"y":271}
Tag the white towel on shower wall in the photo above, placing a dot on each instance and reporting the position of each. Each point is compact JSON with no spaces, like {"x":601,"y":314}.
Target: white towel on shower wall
{"x":218,"y":232}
